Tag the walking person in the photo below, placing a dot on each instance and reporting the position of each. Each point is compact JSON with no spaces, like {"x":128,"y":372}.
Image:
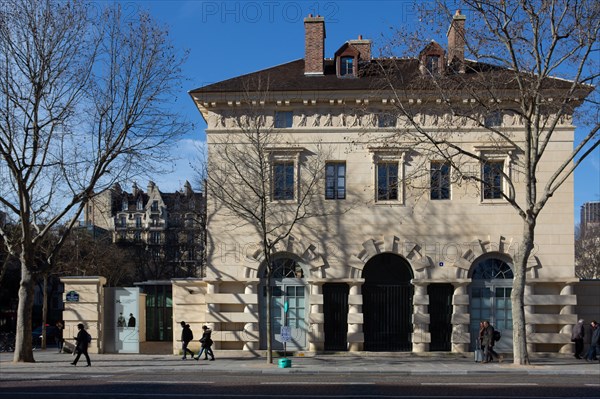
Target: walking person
{"x":577,"y":337}
{"x":186,"y":336}
{"x":488,"y":342}
{"x":592,"y":353}
{"x":82,"y":340}
{"x":206,"y":342}
{"x":60,"y":342}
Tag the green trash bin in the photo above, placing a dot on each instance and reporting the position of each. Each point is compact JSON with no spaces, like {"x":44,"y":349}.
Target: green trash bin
{"x":285,"y":363}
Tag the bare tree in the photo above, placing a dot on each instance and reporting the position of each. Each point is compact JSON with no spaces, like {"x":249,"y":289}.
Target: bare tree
{"x":244,"y":186}
{"x":86,"y":98}
{"x":91,"y":252}
{"x":587,"y":253}
{"x":535,"y":64}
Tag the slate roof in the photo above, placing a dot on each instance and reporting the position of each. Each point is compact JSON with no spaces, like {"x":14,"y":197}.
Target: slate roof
{"x":404,"y":73}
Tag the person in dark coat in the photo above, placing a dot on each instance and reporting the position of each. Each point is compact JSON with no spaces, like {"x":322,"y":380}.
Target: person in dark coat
{"x":488,"y":343}
{"x":577,"y":337}
{"x":593,"y":352}
{"x":186,"y":336}
{"x":60,"y":342}
{"x":82,"y":341}
{"x":206,"y":342}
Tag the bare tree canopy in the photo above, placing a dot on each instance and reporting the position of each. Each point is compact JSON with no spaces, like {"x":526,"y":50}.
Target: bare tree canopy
{"x":87,"y":96}
{"x":519,"y":75}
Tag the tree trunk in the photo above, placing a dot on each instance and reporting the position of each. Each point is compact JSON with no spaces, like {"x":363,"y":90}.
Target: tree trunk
{"x":268,"y":315}
{"x":520,"y":354}
{"x":23,"y":344}
{"x":44,"y":311}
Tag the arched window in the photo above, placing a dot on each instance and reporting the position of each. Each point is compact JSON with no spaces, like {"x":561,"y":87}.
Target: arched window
{"x":492,"y":268}
{"x":286,"y":268}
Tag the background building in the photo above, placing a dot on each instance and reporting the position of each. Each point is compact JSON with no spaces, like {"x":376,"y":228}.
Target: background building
{"x":165,"y":233}
{"x":590,"y":215}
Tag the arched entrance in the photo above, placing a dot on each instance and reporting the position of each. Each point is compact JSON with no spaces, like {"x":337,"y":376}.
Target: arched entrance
{"x":490,"y":290}
{"x":387,"y":303}
{"x":288,"y":286}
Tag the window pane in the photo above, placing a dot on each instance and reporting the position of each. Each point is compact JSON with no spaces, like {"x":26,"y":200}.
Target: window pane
{"x":387,"y":181}
{"x":283,"y":181}
{"x":283,"y":119}
{"x":492,"y":179}
{"x":335,"y":180}
{"x":440,"y":180}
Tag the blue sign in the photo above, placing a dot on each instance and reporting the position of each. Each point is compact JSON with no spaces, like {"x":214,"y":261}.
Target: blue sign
{"x":72,"y":296}
{"x":441,"y":264}
{"x":286,"y":334}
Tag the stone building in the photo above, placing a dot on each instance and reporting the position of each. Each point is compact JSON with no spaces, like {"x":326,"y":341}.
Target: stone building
{"x":165,"y":233}
{"x":424,"y":257}
{"x":167,"y":226}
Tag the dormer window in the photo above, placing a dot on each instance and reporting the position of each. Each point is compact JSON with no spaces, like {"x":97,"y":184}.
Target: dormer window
{"x":347,"y":66}
{"x":140,"y":204}
{"x":432,"y":63}
{"x":431,"y":59}
{"x":346,"y":61}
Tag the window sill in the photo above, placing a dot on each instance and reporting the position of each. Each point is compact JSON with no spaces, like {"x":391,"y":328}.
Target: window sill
{"x":493,"y":202}
{"x":389,"y":202}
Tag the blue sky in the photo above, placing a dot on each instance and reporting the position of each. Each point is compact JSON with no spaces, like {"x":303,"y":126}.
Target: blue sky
{"x":231,"y":38}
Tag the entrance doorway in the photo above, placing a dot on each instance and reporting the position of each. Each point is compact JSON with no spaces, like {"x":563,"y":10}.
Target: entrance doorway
{"x":490,"y":300}
{"x":387,"y":303}
{"x":335,"y":309}
{"x":288,"y":305}
{"x":440,"y":316}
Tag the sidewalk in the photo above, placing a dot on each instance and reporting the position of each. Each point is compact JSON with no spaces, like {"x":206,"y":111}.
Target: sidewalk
{"x":365,"y":363}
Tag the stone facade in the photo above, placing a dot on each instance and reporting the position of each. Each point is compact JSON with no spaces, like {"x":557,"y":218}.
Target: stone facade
{"x":454,"y":253}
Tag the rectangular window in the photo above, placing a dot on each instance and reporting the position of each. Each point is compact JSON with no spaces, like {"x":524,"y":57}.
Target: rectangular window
{"x":155,"y":237}
{"x":440,"y":180}
{"x":138,"y":222}
{"x":493,"y":119}
{"x":346,"y":66}
{"x":492,"y":179}
{"x":386,"y":120}
{"x":387,"y":181}
{"x":154,"y":206}
{"x":283,"y":181}
{"x":335,"y":180}
{"x":433,"y":64}
{"x":283,"y":119}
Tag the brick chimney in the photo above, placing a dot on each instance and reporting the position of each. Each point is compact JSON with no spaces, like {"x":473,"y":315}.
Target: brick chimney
{"x":314,"y":45}
{"x":456,"y":41}
{"x":363,"y":46}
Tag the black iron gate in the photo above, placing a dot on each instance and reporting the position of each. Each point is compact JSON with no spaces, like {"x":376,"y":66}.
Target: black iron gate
{"x":387,"y":311}
{"x":335,"y":309}
{"x":440,"y":314}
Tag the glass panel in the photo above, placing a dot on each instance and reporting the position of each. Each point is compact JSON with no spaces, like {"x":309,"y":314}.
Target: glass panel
{"x":300,"y":291}
{"x":290,"y":291}
{"x":300,"y":302}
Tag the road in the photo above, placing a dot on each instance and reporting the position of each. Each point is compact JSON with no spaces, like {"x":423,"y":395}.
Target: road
{"x":206,"y":384}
